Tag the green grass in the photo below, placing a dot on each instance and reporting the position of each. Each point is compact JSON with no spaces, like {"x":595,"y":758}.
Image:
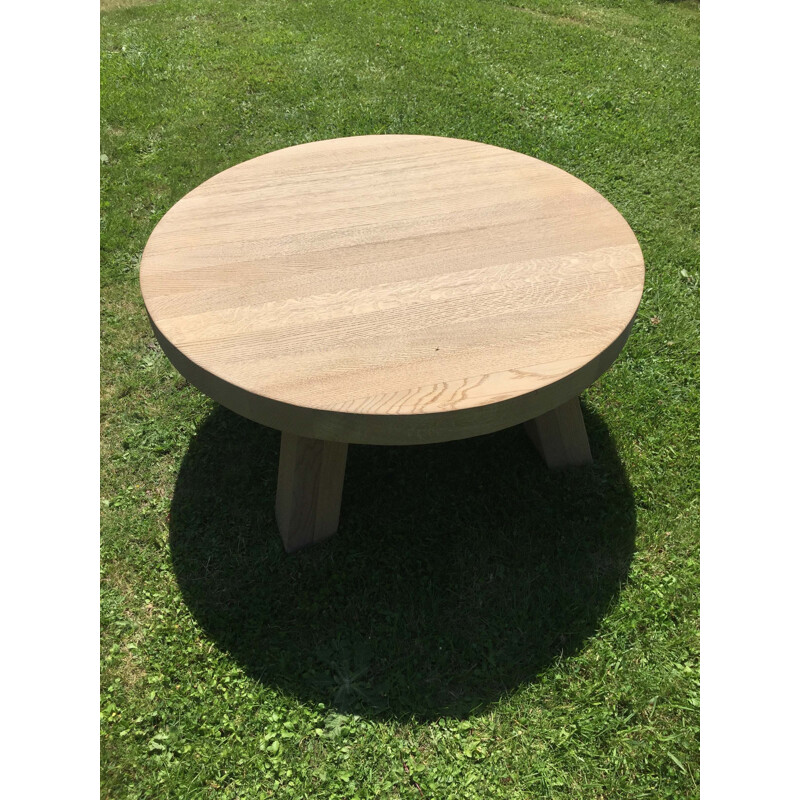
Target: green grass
{"x":478,"y":627}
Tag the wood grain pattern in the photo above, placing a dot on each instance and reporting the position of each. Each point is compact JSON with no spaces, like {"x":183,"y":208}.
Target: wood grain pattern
{"x":392,"y":289}
{"x":560,"y":436}
{"x":309,"y":494}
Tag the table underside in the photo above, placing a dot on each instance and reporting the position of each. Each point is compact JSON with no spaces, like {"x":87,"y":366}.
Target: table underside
{"x":311,"y":472}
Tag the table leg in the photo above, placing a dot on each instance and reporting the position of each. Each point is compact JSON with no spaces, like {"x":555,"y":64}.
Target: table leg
{"x":309,"y":496}
{"x":560,"y":436}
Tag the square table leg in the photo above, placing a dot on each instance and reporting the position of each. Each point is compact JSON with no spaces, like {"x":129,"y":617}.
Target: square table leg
{"x":309,"y":495}
{"x":560,"y":436}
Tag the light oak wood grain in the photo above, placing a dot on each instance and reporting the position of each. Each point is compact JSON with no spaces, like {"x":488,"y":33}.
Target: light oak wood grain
{"x":309,"y":494}
{"x":392,"y":289}
{"x":560,"y":436}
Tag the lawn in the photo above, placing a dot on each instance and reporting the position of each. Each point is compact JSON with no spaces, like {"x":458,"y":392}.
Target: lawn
{"x":479,"y":627}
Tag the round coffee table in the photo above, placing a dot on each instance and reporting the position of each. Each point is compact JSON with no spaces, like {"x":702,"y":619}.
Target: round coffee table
{"x":392,"y":290}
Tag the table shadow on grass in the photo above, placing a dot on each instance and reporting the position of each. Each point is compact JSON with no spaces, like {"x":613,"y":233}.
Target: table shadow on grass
{"x":459,"y":572}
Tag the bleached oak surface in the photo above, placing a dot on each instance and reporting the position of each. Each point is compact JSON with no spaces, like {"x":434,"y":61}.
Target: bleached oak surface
{"x":309,"y":492}
{"x":392,"y":289}
{"x":560,"y":436}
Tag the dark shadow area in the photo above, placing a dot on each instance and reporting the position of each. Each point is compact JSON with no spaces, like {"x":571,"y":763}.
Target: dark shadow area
{"x":460,"y":570}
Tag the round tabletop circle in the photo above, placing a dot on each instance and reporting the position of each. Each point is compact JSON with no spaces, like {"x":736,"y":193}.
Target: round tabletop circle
{"x":392,"y":289}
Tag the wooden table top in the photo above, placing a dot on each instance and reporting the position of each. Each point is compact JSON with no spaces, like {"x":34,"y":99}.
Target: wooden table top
{"x":392,"y":289}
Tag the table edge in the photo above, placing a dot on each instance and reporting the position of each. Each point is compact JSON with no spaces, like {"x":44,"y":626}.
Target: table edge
{"x":394,"y":429}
